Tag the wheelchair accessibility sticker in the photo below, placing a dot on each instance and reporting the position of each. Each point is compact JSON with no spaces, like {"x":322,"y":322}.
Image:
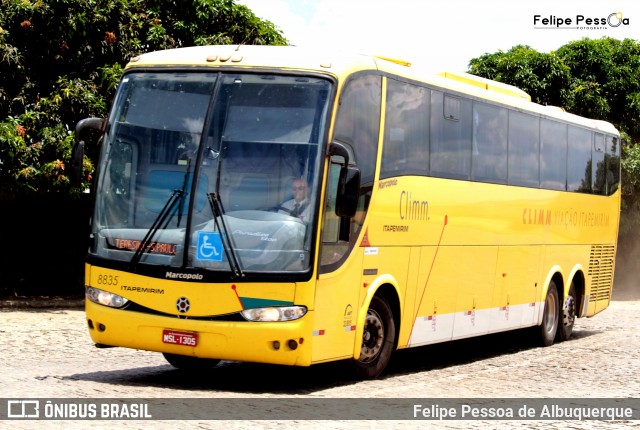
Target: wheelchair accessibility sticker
{"x":209,"y":246}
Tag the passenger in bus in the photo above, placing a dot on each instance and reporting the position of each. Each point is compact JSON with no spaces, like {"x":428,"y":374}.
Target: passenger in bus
{"x":298,"y":206}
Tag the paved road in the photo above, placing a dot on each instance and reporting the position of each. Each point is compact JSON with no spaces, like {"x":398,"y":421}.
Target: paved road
{"x":47,"y":353}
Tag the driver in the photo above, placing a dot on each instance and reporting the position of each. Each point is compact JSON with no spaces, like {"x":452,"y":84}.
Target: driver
{"x":298,"y":206}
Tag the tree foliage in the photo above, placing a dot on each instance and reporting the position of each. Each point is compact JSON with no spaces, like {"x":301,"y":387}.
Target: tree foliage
{"x":605,"y":81}
{"x":599,"y":79}
{"x":60,"y":61}
{"x":543,"y":76}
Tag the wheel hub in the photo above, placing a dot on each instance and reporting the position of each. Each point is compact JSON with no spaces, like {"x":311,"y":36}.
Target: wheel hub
{"x":372,"y":337}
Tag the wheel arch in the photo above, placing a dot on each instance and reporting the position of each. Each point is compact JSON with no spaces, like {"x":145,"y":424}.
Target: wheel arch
{"x":390,"y":294}
{"x":386,"y":287}
{"x":556,"y":275}
{"x":578,"y":279}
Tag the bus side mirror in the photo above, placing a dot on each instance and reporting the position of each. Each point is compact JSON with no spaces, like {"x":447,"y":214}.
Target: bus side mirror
{"x":348,"y":192}
{"x":348,"y":183}
{"x":77,"y":157}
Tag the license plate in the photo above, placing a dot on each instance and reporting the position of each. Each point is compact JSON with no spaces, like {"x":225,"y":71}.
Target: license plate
{"x":180,"y":338}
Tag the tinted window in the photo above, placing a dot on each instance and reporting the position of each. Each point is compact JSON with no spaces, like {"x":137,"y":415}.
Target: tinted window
{"x":579,"y":160}
{"x":450,"y":136}
{"x":358,"y":122}
{"x":358,"y":126}
{"x":489,"y":162}
{"x":524,"y":149}
{"x":599,"y":178}
{"x":406,"y":136}
{"x":613,"y":164}
{"x":488,"y":143}
{"x":553,"y":155}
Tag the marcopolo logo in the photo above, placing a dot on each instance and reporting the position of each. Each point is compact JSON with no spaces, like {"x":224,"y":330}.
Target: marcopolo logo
{"x":580,"y":22}
{"x":185,"y":276}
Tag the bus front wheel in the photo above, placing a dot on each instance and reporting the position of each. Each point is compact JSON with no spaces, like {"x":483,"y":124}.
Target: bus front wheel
{"x":186,"y":362}
{"x":378,"y":339}
{"x":550,"y":316}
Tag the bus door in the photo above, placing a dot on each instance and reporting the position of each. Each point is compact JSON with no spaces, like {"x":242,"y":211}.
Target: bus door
{"x":337,"y":291}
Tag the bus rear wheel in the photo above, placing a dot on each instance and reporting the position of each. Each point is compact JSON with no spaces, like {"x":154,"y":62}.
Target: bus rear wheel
{"x":378,"y":339}
{"x":186,"y":362}
{"x":550,"y":316}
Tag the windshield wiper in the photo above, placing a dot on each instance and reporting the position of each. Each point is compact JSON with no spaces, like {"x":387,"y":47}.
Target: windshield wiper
{"x":226,"y":239}
{"x":160,"y":219}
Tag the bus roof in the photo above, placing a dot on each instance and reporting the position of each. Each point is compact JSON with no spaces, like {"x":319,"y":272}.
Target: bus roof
{"x":252,"y":56}
{"x":340,"y":65}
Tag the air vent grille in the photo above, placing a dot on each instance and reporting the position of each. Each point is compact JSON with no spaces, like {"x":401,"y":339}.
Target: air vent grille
{"x":601,"y":267}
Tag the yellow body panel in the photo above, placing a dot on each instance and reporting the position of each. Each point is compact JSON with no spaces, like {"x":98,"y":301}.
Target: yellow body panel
{"x":494,"y":241}
{"x":240,"y":341}
{"x":337,"y":305}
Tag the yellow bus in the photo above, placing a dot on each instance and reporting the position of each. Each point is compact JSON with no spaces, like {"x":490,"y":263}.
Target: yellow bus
{"x":429,"y":208}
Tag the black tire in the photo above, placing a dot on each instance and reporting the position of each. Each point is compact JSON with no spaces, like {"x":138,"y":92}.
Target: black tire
{"x":378,"y":339}
{"x":565,"y":326}
{"x":550,"y":316}
{"x":186,"y":362}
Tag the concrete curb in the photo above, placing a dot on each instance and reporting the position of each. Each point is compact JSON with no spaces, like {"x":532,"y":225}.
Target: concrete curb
{"x":41,"y":302}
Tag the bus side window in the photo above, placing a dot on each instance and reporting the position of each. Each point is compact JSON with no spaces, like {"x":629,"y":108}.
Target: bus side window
{"x":553,"y":155}
{"x":579,"y":160}
{"x":333,"y":227}
{"x":599,"y":172}
{"x":450,"y":136}
{"x":358,"y":121}
{"x":489,"y":162}
{"x":358,"y":126}
{"x":613,"y":164}
{"x":524,"y":150}
{"x":406,"y":133}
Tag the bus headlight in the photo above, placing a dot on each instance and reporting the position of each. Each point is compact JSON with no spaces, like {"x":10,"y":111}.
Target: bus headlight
{"x":105,"y":298}
{"x":284,"y":313}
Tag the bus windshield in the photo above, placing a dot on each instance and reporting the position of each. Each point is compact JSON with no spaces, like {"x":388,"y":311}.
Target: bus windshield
{"x":212,"y":171}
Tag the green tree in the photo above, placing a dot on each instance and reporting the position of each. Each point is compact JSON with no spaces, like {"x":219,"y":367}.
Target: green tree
{"x":60,"y":61}
{"x":605,"y":81}
{"x":543,"y":76}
